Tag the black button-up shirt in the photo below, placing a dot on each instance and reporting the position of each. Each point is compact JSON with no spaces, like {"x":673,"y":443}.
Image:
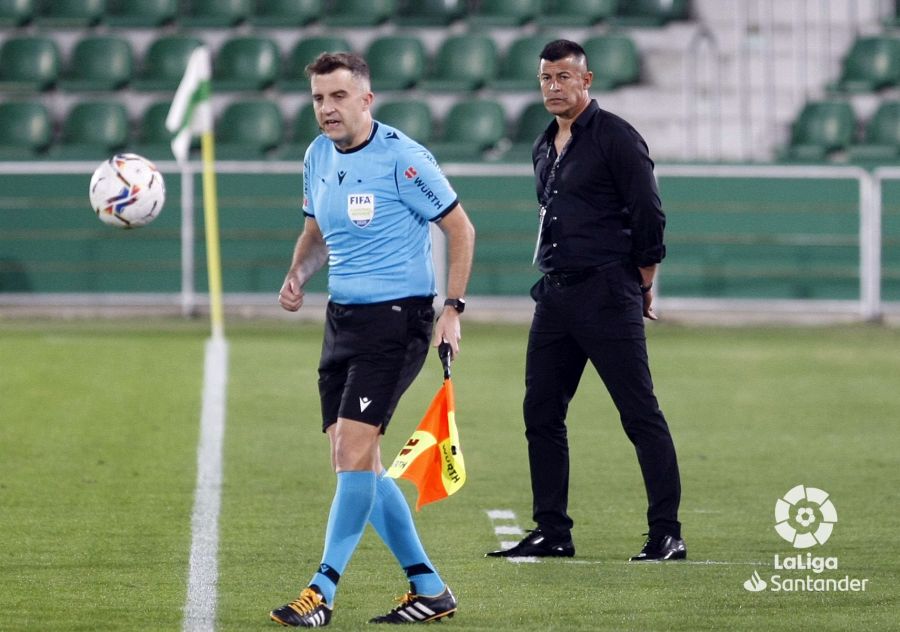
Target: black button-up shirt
{"x":603,"y":204}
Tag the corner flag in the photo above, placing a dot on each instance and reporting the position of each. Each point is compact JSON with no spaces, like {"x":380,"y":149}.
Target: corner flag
{"x":191,"y":111}
{"x":190,"y":114}
{"x":432,"y":458}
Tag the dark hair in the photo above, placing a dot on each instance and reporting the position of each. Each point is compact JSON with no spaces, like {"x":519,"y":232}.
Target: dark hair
{"x":327,"y":63}
{"x":561,"y":48}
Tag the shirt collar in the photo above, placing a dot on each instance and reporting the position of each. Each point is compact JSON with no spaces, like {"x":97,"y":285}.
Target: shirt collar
{"x":582,"y":121}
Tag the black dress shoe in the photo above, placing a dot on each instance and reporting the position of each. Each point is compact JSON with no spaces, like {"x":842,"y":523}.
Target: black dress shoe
{"x":660,"y":548}
{"x":538,"y":544}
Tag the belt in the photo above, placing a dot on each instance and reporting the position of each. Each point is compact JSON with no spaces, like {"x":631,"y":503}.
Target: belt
{"x":566,"y":278}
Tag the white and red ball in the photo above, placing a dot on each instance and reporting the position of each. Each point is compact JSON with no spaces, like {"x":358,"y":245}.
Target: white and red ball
{"x":127,"y":191}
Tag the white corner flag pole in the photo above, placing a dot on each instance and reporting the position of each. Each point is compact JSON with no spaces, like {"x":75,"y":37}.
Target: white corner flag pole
{"x":190,"y":114}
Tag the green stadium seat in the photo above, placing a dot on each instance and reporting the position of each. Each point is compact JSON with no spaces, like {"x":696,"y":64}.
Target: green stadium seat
{"x":651,"y":13}
{"x":357,"y":13}
{"x":140,"y":13}
{"x":469,"y":130}
{"x":14,"y":13}
{"x":577,"y":12}
{"x":246,"y":63}
{"x":872,"y":64}
{"x":294,"y":78}
{"x":614,"y":60}
{"x":99,"y":62}
{"x":305,"y":130}
{"x":153,"y":139}
{"x":413,"y":118}
{"x":463,"y":62}
{"x":26,"y":130}
{"x":215,"y":13}
{"x":881,"y":142}
{"x":494,"y":13}
{"x":249,"y":130}
{"x":29,"y":63}
{"x":519,"y":66}
{"x":396,"y":62}
{"x":428,"y":12}
{"x":70,"y":13}
{"x":92,"y":130}
{"x":530,"y":124}
{"x":821,"y":129}
{"x":165,"y":61}
{"x":286,"y":13}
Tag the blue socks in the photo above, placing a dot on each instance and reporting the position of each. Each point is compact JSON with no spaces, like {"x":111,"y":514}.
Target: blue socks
{"x":392,"y":519}
{"x":350,"y":509}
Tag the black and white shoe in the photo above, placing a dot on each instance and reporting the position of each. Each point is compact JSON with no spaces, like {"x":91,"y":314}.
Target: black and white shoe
{"x":309,"y":610}
{"x":420,"y":608}
{"x":660,"y":548}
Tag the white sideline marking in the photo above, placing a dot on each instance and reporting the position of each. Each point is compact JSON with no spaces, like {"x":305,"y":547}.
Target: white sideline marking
{"x":501,"y":514}
{"x":509,"y":529}
{"x":513,"y":530}
{"x":200,"y":608}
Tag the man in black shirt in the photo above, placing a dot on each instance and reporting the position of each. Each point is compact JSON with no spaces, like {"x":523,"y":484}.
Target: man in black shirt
{"x":600,"y":239}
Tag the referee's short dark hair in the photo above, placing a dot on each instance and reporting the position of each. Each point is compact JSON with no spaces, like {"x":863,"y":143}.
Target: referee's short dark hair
{"x":562,"y":48}
{"x":327,"y":63}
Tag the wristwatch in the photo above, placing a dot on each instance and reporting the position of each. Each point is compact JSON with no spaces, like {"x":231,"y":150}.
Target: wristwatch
{"x":459,"y":304}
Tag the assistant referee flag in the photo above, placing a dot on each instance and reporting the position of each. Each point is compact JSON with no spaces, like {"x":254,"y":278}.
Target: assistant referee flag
{"x":432,"y":458}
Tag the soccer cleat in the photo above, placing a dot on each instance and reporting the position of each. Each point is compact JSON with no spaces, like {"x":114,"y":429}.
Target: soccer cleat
{"x":660,"y":548}
{"x":538,"y":544}
{"x":420,"y":608}
{"x":309,"y":610}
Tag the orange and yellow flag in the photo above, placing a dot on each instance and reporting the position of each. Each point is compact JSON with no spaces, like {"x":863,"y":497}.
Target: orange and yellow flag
{"x":432,"y":458}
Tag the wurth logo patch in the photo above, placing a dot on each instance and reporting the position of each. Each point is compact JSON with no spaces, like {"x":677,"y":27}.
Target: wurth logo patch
{"x":410,"y":173}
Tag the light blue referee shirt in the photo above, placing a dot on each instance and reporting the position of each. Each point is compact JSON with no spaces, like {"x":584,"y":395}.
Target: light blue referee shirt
{"x":373,"y":204}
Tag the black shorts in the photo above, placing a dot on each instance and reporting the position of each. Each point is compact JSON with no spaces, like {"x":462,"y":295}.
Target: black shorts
{"x":370,"y":355}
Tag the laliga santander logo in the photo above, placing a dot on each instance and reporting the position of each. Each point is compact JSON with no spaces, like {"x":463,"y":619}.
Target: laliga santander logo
{"x":805,"y":517}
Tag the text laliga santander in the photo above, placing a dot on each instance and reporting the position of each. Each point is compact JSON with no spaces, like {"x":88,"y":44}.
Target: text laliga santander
{"x":816,"y":565}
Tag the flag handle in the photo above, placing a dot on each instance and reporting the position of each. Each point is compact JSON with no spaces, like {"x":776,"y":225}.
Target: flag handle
{"x":446,"y":357}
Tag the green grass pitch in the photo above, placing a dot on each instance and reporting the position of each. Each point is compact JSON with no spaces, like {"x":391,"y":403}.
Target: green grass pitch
{"x":98,"y":436}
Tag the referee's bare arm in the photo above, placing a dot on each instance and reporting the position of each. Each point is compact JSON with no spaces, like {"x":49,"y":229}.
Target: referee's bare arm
{"x":310,"y":254}
{"x":460,"y":236}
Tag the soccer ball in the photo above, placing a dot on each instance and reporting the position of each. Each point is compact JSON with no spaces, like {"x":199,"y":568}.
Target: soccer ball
{"x":127,"y":191}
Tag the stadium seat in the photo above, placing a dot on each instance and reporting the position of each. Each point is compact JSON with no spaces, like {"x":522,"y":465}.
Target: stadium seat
{"x":881,"y":142}
{"x":246,"y":63}
{"x":140,"y":13}
{"x":577,"y":12}
{"x":26,"y":130}
{"x":822,"y":128}
{"x":165,"y":62}
{"x":413,"y":118}
{"x":651,"y":13}
{"x":249,"y":130}
{"x":15,"y":13}
{"x":357,"y":13}
{"x":28,"y":63}
{"x":99,"y":62}
{"x":469,"y":129}
{"x":530,"y":124}
{"x":872,"y":64}
{"x":396,"y":62}
{"x":494,"y":13}
{"x":215,"y":13}
{"x":519,"y":66}
{"x":153,"y":139}
{"x":92,"y":130}
{"x":304,"y":131}
{"x":614,"y":60}
{"x":294,"y":77}
{"x":428,"y":12}
{"x":70,"y":13}
{"x":286,"y":13}
{"x":463,"y":62}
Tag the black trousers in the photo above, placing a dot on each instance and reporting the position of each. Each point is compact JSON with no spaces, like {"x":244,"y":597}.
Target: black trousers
{"x":597,"y":316}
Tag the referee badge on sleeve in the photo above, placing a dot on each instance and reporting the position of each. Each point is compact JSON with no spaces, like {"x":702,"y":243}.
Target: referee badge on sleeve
{"x":361,"y":208}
